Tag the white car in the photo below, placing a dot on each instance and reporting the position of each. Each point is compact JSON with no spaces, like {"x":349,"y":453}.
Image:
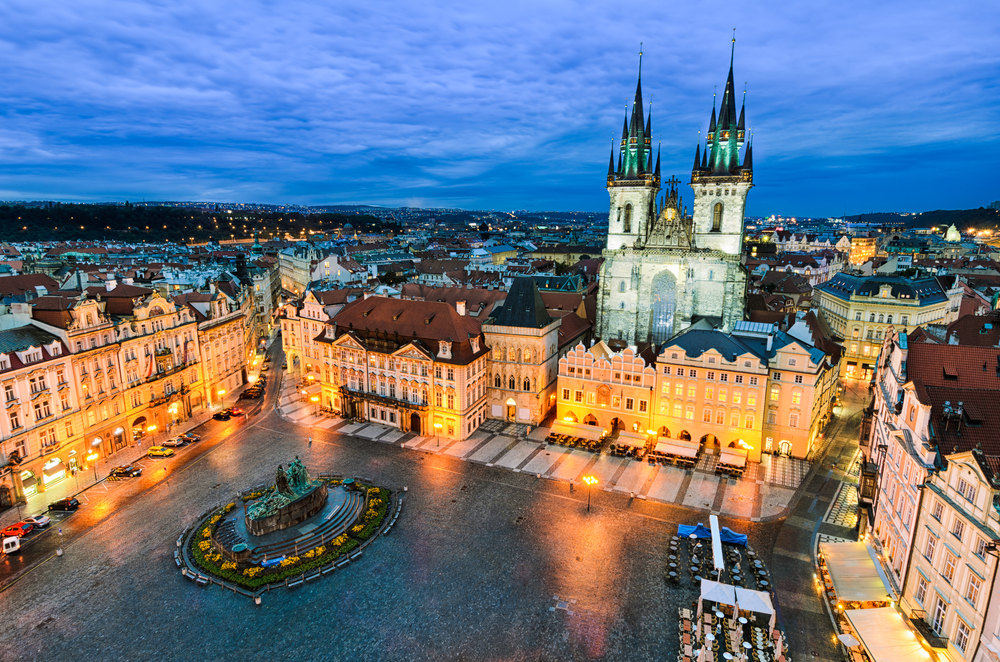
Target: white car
{"x":174,"y":441}
{"x":38,"y":521}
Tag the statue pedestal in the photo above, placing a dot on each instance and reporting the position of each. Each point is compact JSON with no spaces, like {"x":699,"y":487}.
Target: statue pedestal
{"x":291,"y":514}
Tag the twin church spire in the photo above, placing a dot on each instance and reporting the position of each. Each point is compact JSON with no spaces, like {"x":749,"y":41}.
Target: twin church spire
{"x":726,"y":136}
{"x":635,"y":156}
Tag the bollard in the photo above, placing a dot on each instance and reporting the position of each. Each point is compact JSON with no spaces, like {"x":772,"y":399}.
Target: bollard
{"x":59,"y":552}
{"x":405,"y":488}
{"x":256,"y":599}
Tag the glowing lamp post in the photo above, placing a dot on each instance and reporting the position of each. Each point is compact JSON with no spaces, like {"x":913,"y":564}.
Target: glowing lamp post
{"x":315,"y":401}
{"x":437,"y":432}
{"x":222,"y":393}
{"x":590,"y":481}
{"x":92,"y":458}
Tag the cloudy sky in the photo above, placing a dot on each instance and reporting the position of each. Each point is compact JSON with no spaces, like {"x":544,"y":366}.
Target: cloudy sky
{"x":855,"y":106}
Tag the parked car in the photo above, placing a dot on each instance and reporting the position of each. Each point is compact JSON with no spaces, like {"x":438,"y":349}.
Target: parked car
{"x":236,"y":411}
{"x":18,"y":530}
{"x":126,"y":472}
{"x":223,"y":415}
{"x":69,"y":503}
{"x":38,"y":521}
{"x":190,"y":436}
{"x":174,"y":442}
{"x":159,"y":451}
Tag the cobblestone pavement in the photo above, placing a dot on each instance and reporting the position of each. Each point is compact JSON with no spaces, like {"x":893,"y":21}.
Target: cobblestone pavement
{"x":469,"y":571}
{"x":799,"y":605}
{"x":763,"y":493}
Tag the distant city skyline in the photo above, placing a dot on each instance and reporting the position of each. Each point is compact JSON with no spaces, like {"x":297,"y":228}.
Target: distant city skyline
{"x":854,"y":109}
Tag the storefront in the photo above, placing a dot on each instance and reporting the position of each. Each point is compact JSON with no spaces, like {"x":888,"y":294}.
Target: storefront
{"x":29,"y":483}
{"x":53,"y":471}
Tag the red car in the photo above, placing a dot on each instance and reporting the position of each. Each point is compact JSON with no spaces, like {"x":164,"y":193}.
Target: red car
{"x":19,"y":529}
{"x":236,"y":411}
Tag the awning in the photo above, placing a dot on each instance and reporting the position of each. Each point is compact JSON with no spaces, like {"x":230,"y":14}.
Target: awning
{"x":701,"y":531}
{"x":723,"y":594}
{"x":852,"y":569}
{"x":731,"y":459}
{"x":674,"y":449}
{"x":854,"y":363}
{"x":581,"y":430}
{"x":885,"y":636}
{"x":759,"y":602}
{"x":625,"y":434}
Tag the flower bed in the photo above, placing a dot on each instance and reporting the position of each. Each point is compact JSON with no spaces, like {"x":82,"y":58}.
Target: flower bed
{"x":254,"y":576}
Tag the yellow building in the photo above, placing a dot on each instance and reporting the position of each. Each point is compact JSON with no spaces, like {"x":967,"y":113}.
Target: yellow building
{"x":757,"y":388}
{"x":414,"y":365}
{"x":861,"y":310}
{"x":862,"y":249}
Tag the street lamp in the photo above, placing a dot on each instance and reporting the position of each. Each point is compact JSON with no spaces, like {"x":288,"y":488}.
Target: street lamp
{"x":92,"y":458}
{"x":590,"y":481}
{"x":315,"y":401}
{"x":437,"y":432}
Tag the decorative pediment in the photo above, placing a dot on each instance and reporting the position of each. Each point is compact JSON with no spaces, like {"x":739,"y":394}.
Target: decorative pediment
{"x":348,"y":341}
{"x":411,"y":351}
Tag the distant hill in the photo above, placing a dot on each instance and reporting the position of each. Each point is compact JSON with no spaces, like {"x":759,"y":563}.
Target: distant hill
{"x":132,"y":223}
{"x":961,"y":218}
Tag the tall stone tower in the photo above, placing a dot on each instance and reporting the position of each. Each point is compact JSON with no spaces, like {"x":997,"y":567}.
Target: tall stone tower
{"x":633,"y":185}
{"x":663,"y":269}
{"x":719,"y":180}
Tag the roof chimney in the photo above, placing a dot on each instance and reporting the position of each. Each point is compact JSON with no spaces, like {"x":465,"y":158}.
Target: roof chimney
{"x":110,"y":284}
{"x":460,"y":307}
{"x":770,"y":339}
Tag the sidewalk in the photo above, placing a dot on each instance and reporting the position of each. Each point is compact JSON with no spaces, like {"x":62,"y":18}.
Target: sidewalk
{"x":764,"y":493}
{"x":84,"y":480}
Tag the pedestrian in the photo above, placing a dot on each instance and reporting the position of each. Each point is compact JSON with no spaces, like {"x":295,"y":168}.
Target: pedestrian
{"x":310,"y":442}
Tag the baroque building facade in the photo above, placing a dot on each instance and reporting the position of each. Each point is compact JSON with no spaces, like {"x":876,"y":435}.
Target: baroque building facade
{"x":664,"y":269}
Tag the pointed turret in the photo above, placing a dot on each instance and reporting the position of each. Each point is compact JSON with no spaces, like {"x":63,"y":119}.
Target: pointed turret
{"x":741,"y":125}
{"x":656,"y":173}
{"x":697,"y":157}
{"x":611,"y":163}
{"x":649,"y":122}
{"x":711,"y":123}
{"x":625,"y":126}
{"x":748,"y":157}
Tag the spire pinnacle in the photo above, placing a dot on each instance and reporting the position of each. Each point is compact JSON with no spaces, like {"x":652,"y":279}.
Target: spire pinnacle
{"x":657,"y":171}
{"x":611,"y":164}
{"x":732,"y":53}
{"x":711,"y":124}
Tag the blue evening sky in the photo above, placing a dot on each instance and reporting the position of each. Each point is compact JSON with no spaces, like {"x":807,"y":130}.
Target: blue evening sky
{"x":855,"y":106}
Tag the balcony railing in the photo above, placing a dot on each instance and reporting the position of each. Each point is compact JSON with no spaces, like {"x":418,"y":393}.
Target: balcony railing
{"x":382,"y":399}
{"x":919,"y":619}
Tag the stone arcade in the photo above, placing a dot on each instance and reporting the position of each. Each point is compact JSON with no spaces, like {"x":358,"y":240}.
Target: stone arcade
{"x":663,"y":269}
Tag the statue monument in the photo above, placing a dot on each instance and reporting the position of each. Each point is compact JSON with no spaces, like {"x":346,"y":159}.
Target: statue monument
{"x":293,"y":499}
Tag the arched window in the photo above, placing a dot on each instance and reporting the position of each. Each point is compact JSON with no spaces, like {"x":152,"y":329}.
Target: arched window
{"x":880,"y":318}
{"x":527,"y":384}
{"x":627,"y":227}
{"x":513,"y":384}
{"x":621,"y":286}
{"x":717,"y":217}
{"x":888,"y":320}
{"x":510,"y":354}
{"x":871,"y":318}
{"x":527,"y":356}
{"x":497,"y":382}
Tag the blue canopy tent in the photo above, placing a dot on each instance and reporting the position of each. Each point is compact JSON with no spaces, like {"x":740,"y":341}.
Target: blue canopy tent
{"x":726,"y":534}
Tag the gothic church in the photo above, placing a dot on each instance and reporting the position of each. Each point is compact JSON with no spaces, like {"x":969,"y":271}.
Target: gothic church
{"x":664,"y":270}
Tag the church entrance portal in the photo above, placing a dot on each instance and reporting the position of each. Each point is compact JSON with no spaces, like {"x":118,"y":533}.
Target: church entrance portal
{"x":664,"y":290}
{"x":511,"y":411}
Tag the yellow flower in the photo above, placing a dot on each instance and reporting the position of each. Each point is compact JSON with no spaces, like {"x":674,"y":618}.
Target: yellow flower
{"x":229,"y":565}
{"x":206,"y":532}
{"x":204,"y":545}
{"x":215,"y":519}
{"x":358,"y":529}
{"x":291,"y":560}
{"x":251,"y":572}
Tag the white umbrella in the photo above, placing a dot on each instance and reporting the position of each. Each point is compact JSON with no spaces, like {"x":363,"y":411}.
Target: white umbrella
{"x":848,"y":640}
